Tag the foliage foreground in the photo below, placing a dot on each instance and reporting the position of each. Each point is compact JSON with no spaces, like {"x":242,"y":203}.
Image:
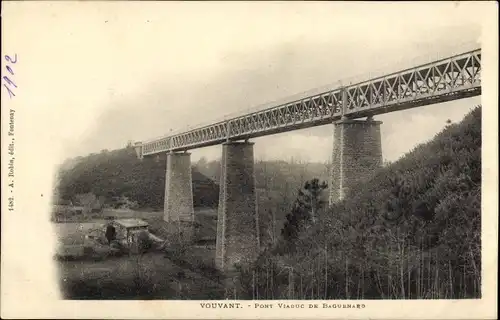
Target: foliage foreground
{"x":413,"y":231}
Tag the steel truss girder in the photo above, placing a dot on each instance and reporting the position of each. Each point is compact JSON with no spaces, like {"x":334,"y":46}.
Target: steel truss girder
{"x":447,"y":79}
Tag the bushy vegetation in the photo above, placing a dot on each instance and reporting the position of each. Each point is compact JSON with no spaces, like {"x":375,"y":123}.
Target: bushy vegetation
{"x":413,"y":231}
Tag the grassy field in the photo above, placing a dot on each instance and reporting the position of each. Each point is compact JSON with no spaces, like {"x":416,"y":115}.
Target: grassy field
{"x":154,"y":276}
{"x":73,"y":233}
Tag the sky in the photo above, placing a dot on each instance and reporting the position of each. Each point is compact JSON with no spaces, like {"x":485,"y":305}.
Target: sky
{"x":111,"y":73}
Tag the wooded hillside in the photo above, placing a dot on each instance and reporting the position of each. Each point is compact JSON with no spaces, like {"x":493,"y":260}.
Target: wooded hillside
{"x":119,"y":173}
{"x":413,"y":231}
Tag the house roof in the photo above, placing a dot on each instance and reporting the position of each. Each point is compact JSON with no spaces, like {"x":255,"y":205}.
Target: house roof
{"x":131,"y":223}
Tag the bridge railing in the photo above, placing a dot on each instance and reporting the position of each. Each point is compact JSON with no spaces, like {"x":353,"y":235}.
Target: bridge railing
{"x":402,"y":64}
{"x":444,"y":79}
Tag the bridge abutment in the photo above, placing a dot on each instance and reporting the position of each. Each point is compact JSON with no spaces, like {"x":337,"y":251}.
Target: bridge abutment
{"x":178,"y":206}
{"x":357,"y":152}
{"x":237,"y":235}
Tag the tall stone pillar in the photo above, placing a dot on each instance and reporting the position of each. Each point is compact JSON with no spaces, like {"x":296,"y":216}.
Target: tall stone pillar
{"x":237,"y":232}
{"x":178,"y":207}
{"x":357,"y":152}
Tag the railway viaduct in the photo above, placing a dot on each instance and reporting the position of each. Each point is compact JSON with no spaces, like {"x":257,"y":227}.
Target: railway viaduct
{"x":356,"y":152}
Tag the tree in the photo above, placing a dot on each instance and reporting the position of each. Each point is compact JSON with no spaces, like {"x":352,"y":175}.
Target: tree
{"x":88,"y":201}
{"x":312,"y":196}
{"x":202,"y":164}
{"x":110,"y":233}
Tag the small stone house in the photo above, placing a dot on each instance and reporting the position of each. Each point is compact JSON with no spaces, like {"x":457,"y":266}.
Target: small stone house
{"x":127,"y":230}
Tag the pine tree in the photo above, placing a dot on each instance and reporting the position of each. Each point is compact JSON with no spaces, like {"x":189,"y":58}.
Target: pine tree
{"x":305,"y":209}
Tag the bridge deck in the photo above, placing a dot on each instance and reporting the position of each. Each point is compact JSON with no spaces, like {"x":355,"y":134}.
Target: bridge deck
{"x":447,"y":79}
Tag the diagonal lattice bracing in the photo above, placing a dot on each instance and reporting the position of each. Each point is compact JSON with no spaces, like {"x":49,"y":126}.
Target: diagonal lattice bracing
{"x":447,"y":79}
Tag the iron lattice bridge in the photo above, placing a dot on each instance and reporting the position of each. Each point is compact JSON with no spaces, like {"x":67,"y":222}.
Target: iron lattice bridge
{"x":452,"y":78}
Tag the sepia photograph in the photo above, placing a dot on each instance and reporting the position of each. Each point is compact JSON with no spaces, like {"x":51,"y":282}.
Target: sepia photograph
{"x":280,"y":157}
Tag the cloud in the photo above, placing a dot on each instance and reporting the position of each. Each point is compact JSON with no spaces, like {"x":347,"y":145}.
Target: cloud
{"x":234,"y":66}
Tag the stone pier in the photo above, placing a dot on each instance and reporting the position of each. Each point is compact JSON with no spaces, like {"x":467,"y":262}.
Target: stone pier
{"x":357,"y":152}
{"x":237,"y":232}
{"x":178,"y":207}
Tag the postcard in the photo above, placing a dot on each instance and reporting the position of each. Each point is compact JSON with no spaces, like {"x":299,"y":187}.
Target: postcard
{"x":249,"y":160}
